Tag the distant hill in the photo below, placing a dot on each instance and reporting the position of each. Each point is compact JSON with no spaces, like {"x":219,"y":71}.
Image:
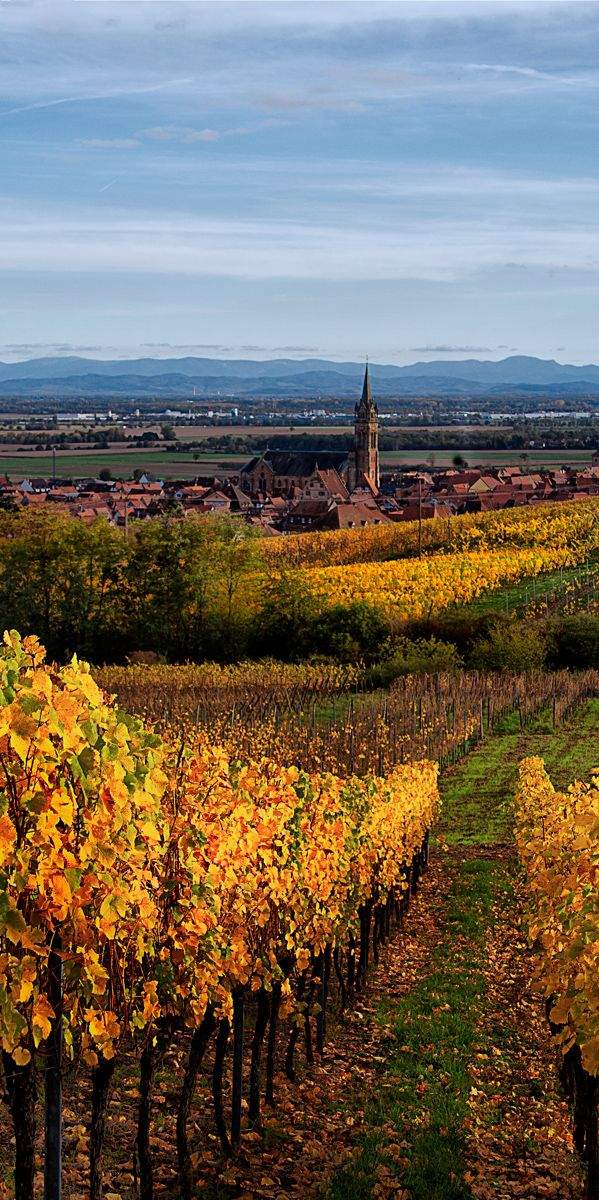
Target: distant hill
{"x":295,"y":378}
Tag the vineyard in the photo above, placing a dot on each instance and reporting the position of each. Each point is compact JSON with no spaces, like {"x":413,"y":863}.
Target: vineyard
{"x":558,"y":842}
{"x":321,"y":719}
{"x":561,"y":524}
{"x":210,"y":887}
{"x":247,"y":690}
{"x":411,"y":589}
{"x":204,"y":589}
{"x":203,"y":864}
{"x":155,"y":885}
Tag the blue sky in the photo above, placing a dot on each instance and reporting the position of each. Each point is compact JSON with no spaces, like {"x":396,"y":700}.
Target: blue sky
{"x":411,"y":180}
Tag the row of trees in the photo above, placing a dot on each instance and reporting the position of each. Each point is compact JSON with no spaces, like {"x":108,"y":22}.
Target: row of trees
{"x":189,"y":589}
{"x":180,"y":587}
{"x":518,"y":437}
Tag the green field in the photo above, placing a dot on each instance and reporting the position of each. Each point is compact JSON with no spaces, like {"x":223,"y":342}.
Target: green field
{"x":121,"y":463}
{"x":530,"y":590}
{"x":489,"y":458}
{"x":186,"y":465}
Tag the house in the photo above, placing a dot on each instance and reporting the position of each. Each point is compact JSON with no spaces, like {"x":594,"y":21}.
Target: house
{"x":324,"y":485}
{"x":306,"y":513}
{"x":352,"y":516}
{"x":484,"y":483}
{"x":29,"y":486}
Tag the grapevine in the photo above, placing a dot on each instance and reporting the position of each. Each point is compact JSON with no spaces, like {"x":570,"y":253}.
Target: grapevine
{"x":177,"y":883}
{"x":558,"y":843}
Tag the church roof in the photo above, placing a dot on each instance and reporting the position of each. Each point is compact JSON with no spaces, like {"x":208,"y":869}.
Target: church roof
{"x":300,"y":462}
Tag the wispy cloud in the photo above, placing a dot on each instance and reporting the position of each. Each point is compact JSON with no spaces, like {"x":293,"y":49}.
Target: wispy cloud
{"x":108,"y":143}
{"x":109,"y":94}
{"x":444,"y":349}
{"x":435,"y":154}
{"x":178,"y":133}
{"x":555,"y":79}
{"x":184,"y":135}
{"x":188,"y":347}
{"x":321,"y":99}
{"x":185,"y":244}
{"x":188,"y":134}
{"x":217,"y":347}
{"x":47,"y":347}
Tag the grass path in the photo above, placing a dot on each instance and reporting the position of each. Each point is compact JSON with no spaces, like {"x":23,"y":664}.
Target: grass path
{"x":468,"y":1103}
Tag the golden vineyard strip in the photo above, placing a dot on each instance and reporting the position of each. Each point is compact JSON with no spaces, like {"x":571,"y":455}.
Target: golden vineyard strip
{"x":558,"y":843}
{"x":235,"y":690}
{"x":172,"y":881}
{"x":301,"y":715}
{"x":413,"y":588}
{"x":568,"y":522}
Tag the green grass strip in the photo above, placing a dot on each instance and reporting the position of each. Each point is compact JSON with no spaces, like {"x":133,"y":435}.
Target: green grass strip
{"x":478,"y":793}
{"x":424,"y":1087}
{"x":517,"y":597}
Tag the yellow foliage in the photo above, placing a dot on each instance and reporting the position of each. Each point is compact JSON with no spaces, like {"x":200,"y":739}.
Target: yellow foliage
{"x":573,"y":523}
{"x":558,"y":843}
{"x":173,"y":871}
{"x":416,"y":588}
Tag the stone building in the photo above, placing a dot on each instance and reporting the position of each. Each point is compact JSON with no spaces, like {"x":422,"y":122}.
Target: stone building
{"x":366,"y":438}
{"x":288,"y":472}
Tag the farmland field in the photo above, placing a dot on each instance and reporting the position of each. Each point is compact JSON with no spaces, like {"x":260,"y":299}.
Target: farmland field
{"x":188,"y":464}
{"x":191,"y":432}
{"x":497,"y":458}
{"x":121,"y":463}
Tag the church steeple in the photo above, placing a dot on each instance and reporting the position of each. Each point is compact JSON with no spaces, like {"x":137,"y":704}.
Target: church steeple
{"x":366,"y":435}
{"x":366,"y":401}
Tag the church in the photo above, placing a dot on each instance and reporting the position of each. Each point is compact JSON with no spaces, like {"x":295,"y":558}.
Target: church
{"x":288,"y":472}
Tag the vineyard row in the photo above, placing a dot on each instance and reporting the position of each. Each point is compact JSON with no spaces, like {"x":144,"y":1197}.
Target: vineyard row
{"x":561,"y":523}
{"x":158,"y":885}
{"x":558,"y":844}
{"x":315,"y":718}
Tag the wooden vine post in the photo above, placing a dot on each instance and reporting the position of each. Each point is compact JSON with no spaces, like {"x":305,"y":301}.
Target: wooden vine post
{"x":237,"y":1074}
{"x":53,"y":1078}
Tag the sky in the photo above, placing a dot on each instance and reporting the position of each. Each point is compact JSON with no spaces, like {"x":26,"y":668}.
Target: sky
{"x":405,"y":180}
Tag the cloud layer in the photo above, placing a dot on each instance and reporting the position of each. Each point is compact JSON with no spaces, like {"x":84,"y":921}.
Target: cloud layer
{"x":254,"y":156}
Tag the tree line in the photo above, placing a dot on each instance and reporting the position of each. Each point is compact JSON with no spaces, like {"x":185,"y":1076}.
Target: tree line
{"x":521,"y":436}
{"x":179,"y":587}
{"x":186,"y":589}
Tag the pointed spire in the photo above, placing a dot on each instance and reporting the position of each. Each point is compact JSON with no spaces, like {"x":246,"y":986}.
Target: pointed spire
{"x":366,"y":404}
{"x":366,"y":392}
{"x":366,"y":435}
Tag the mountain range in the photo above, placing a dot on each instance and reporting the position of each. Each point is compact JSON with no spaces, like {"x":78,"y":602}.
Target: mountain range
{"x":310,"y":378}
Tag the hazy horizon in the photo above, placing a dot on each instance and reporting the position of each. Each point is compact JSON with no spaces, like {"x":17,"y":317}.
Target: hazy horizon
{"x":171,"y":356}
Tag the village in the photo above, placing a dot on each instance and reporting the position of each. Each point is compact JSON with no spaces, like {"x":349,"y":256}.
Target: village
{"x":322,"y":500}
{"x":281,"y":491}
